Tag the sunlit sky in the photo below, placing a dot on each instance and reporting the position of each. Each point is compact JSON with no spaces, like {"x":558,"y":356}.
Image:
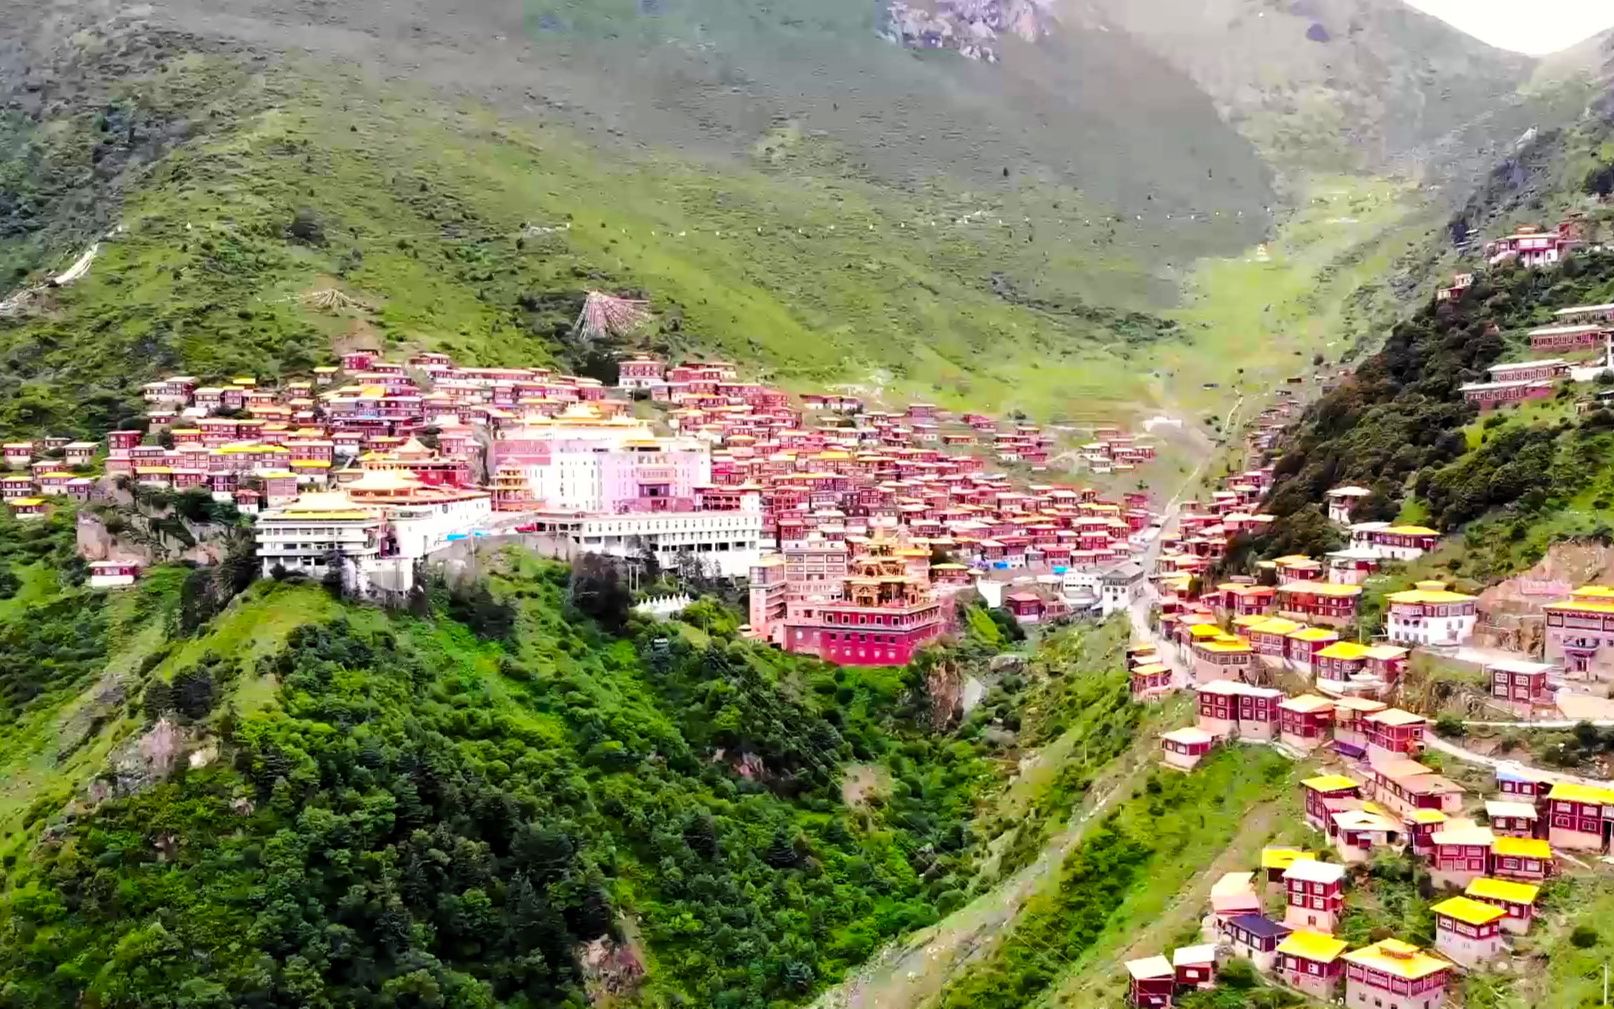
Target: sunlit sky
{"x":1528,"y":26}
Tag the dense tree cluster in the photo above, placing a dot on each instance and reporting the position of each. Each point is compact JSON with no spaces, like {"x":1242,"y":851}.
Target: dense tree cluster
{"x":429,"y":817}
{"x":1400,"y":416}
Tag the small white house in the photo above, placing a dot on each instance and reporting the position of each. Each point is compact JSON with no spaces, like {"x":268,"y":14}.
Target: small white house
{"x":113,"y":574}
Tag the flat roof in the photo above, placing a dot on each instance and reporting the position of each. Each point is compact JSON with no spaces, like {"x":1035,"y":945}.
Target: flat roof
{"x":1468,"y":910}
{"x":1522,"y":847}
{"x":1573,"y":791}
{"x":1330,"y":783}
{"x":1312,"y":871}
{"x":1501,"y":807}
{"x":1503,"y":889}
{"x":1150,"y":967}
{"x":1313,"y":946}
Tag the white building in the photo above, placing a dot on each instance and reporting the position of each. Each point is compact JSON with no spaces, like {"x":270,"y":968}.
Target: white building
{"x":725,"y":543}
{"x":1119,"y":587}
{"x":113,"y":574}
{"x":420,"y":528}
{"x":1430,"y":614}
{"x":1393,"y":542}
{"x":1342,"y":501}
{"x":306,"y":534}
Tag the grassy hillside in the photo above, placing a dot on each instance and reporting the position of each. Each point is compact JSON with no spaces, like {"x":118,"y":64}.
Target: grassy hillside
{"x":453,"y":231}
{"x":1365,"y":84}
{"x":1126,"y":873}
{"x":789,"y":190}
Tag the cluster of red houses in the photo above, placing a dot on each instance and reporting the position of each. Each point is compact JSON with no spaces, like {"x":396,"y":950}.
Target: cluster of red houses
{"x":825,"y":488}
{"x":49,"y":467}
{"x":921,"y":468}
{"x":1493,"y":872}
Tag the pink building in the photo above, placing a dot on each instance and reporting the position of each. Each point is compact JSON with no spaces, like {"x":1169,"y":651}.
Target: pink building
{"x":1315,"y":895}
{"x":1305,"y":722}
{"x":1325,"y":794}
{"x":1580,"y":817}
{"x":1579,"y":337}
{"x":1468,"y":931}
{"x":1533,"y":246}
{"x":1580,"y":630}
{"x":1517,"y":901}
{"x":1395,"y":975}
{"x":1530,"y":371}
{"x":1511,"y":818}
{"x":1487,"y":395}
{"x":1310,"y":962}
{"x":1520,"y":685}
{"x":640,"y":373}
{"x":1185,"y":748}
{"x":1462,"y":854}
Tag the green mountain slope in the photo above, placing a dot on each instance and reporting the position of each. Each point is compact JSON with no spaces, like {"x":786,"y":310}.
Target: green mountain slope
{"x":1371,"y":84}
{"x":297,"y":802}
{"x":789,"y":188}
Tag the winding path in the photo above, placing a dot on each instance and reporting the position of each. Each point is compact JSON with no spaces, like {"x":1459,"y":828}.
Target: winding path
{"x":1468,"y":756}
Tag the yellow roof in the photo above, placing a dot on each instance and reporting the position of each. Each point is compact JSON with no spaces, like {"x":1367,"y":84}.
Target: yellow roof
{"x":1395,"y":716}
{"x":1329,"y":783}
{"x":1428,"y":596}
{"x":1427,"y":816}
{"x":310,"y":464}
{"x":1411,"y":531}
{"x":1580,"y":606}
{"x":1282,"y":858}
{"x":1276,"y":625}
{"x":1315,"y":634}
{"x":1397,"y":958}
{"x":1313,"y":946}
{"x":1290,"y":560}
{"x":26,"y":502}
{"x":1468,"y":910}
{"x":1571,"y":791}
{"x":1307,"y":703}
{"x":1344,"y":650}
{"x":1522,"y":847}
{"x":1226,"y":645}
{"x":1206,"y":631}
{"x":1503,"y":889}
{"x":1151,"y":669}
{"x":1249,"y":620}
{"x":1323,"y":589}
{"x":1363,"y":704}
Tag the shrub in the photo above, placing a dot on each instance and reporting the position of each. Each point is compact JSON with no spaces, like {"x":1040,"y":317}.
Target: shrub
{"x":1583,"y":937}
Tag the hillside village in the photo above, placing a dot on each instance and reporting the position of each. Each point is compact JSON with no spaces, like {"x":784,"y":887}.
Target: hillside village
{"x":1231,"y":643}
{"x":839,"y":515}
{"x":857,"y":533}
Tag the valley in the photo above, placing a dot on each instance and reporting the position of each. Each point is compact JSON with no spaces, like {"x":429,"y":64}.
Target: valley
{"x":641,"y":504}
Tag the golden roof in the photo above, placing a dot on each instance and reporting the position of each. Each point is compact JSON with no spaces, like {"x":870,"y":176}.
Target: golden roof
{"x":1401,"y":959}
{"x":1504,"y":890}
{"x":1313,"y":946}
{"x":1522,"y":847}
